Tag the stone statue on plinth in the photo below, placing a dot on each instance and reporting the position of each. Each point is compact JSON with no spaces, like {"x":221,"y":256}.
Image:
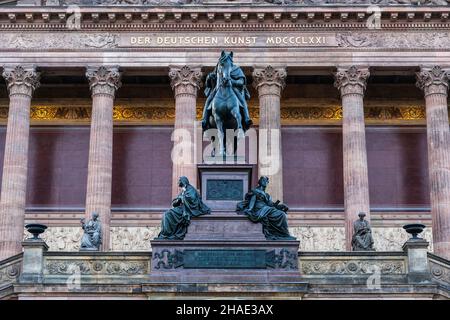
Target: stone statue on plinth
{"x":259,"y":207}
{"x":362,"y":235}
{"x":92,"y":237}
{"x":186,"y":205}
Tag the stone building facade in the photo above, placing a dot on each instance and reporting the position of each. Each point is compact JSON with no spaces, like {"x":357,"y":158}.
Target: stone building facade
{"x":92,"y":91}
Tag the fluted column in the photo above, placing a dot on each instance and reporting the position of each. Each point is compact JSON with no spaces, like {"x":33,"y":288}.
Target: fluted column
{"x":21,"y":82}
{"x":434,"y":83}
{"x":351,"y":83}
{"x":103,"y":82}
{"x":185,"y":82}
{"x":269,"y":82}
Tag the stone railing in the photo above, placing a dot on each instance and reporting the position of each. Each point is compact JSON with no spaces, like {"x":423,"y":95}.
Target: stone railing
{"x":10,"y":270}
{"x":40,"y":273}
{"x":88,"y":267}
{"x":440,"y":270}
{"x":323,"y":267}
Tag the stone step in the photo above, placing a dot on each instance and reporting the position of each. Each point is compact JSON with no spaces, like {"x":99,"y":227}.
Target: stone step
{"x":224,"y":225}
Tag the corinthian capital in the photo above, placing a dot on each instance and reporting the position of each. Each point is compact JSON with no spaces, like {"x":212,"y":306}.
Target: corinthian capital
{"x":433,"y":80}
{"x":269,"y":80}
{"x":185,"y":79}
{"x":21,"y":80}
{"x":351,"y":80}
{"x":104,"y":80}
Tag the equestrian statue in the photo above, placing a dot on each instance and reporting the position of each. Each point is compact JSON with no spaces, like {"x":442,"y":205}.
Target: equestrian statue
{"x":226,"y":103}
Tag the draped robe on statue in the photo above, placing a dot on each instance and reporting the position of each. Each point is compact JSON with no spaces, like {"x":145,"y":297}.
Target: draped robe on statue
{"x":176,"y":220}
{"x":259,"y":207}
{"x":362,"y":237}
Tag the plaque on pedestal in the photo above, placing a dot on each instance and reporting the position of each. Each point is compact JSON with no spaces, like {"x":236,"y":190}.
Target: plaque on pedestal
{"x":223,"y":186}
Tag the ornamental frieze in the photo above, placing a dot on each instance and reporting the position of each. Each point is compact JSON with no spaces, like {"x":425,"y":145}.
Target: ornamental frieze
{"x":95,"y":267}
{"x":407,"y":40}
{"x":246,"y":2}
{"x":28,"y":41}
{"x":351,"y":267}
{"x":106,"y":40}
{"x":166,"y":115}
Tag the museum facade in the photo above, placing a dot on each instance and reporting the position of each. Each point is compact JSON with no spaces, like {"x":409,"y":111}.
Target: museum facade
{"x":98,"y":98}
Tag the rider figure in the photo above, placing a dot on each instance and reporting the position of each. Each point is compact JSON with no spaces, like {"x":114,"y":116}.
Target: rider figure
{"x":238,"y":83}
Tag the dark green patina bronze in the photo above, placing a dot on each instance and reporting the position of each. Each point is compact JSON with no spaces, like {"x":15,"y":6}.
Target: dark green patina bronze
{"x":226,"y":102}
{"x":226,"y":259}
{"x":224,"y":189}
{"x":259,"y":207}
{"x":186,"y":205}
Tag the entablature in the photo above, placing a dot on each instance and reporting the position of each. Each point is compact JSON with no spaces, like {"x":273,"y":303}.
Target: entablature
{"x":221,"y":16}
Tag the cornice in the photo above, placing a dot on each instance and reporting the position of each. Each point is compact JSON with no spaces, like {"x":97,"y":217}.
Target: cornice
{"x":221,"y":18}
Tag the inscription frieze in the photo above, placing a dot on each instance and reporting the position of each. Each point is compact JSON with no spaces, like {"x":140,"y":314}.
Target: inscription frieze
{"x":227,"y":40}
{"x":106,"y":40}
{"x":224,"y":259}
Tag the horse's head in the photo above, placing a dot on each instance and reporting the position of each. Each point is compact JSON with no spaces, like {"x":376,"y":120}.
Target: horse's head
{"x":224,"y":68}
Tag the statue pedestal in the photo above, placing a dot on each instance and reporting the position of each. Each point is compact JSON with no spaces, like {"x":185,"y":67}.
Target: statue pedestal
{"x":224,"y":249}
{"x":224,"y":261}
{"x":223,"y":186}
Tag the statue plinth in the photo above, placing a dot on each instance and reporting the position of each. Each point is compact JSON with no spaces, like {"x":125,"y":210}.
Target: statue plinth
{"x":223,"y":186}
{"x":224,"y":261}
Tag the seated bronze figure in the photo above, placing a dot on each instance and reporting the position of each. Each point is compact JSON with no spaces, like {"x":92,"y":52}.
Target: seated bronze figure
{"x":259,"y":207}
{"x":186,"y":205}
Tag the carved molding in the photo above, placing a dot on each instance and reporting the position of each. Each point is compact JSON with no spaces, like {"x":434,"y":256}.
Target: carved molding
{"x":21,"y":79}
{"x":433,"y":80}
{"x":352,"y":266}
{"x":10,"y":271}
{"x":440,"y":271}
{"x":96,"y":266}
{"x":351,"y":80}
{"x":103,"y":80}
{"x":185,"y":80}
{"x":394,"y":40}
{"x":176,"y":3}
{"x":353,"y":2}
{"x":166,"y":115}
{"x":28,"y":41}
{"x":269,"y":80}
{"x":110,"y":40}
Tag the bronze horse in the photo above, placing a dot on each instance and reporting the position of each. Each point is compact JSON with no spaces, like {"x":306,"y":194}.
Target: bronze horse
{"x":228,"y":102}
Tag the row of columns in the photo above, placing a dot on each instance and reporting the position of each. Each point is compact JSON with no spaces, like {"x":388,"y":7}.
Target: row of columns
{"x":186,"y":81}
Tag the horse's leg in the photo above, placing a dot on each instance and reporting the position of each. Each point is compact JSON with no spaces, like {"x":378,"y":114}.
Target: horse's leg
{"x":220,"y":136}
{"x":235,"y":112}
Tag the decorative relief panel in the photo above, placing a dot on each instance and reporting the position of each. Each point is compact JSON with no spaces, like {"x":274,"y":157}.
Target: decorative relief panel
{"x":440,"y":271}
{"x":407,"y":40}
{"x":166,"y":115}
{"x":392,"y":239}
{"x":355,"y":2}
{"x":254,"y":2}
{"x":61,"y":238}
{"x":106,"y":40}
{"x":122,"y":238}
{"x":133,"y":238}
{"x":24,"y":41}
{"x":10,"y":272}
{"x":320,"y":238}
{"x":96,"y":267}
{"x":351,"y":266}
